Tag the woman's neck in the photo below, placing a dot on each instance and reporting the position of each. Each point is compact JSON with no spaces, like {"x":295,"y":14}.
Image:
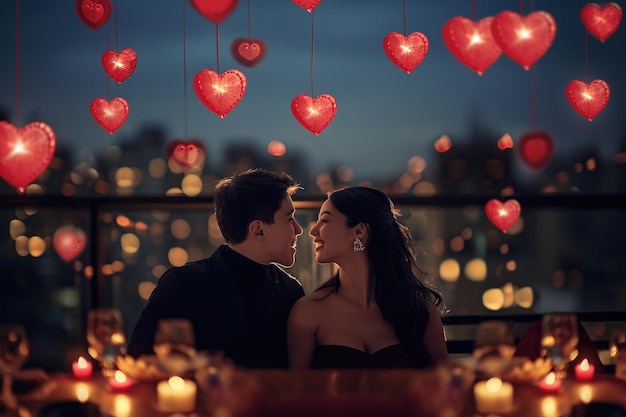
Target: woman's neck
{"x":356,"y":283}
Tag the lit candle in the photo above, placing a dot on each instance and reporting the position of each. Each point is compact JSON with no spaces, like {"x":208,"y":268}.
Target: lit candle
{"x":493,"y":396}
{"x":82,"y":368}
{"x":176,"y":395}
{"x":584,"y":371}
{"x":550,"y":384}
{"x":120,"y":382}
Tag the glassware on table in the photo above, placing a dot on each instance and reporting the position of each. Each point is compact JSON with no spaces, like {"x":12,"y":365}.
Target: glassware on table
{"x":106,"y":338}
{"x":14,"y":350}
{"x":174,"y":345}
{"x":617,"y":351}
{"x":494,"y":347}
{"x":559,"y":340}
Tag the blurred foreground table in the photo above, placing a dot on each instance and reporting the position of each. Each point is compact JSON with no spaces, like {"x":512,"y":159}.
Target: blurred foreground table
{"x":363,"y":393}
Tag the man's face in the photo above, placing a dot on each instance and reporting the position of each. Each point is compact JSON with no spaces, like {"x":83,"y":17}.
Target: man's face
{"x":281,"y":236}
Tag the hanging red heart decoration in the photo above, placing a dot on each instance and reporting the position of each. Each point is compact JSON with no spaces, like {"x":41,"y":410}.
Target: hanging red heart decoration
{"x":588,"y":99}
{"x":119,"y":66}
{"x":601,"y":21}
{"x":407,"y":52}
{"x":93,"y":13}
{"x":25,"y":153}
{"x":471,"y":42}
{"x":535,"y":149}
{"x":503,"y":215}
{"x":248,"y":52}
{"x":524,"y":39}
{"x":220,"y":93}
{"x":309,"y":5}
{"x":215,"y":10}
{"x":314,"y":113}
{"x":69,"y":242}
{"x":110,"y":115}
{"x":185,"y":156}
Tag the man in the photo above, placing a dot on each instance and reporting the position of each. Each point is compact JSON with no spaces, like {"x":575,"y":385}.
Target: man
{"x":237,"y":299}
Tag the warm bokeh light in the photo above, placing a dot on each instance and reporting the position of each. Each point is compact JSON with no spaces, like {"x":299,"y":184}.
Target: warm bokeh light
{"x":36,"y":246}
{"x":157,"y":168}
{"x":180,"y":229}
{"x":191,"y":185}
{"x":443,"y":144}
{"x":177,"y":256}
{"x":449,"y":270}
{"x":144,"y":289}
{"x":457,"y":244}
{"x":525,"y":297}
{"x":276,"y":148}
{"x":476,"y":270}
{"x":125,"y":177}
{"x":16,"y":228}
{"x":130,"y":243}
{"x":493,"y":299}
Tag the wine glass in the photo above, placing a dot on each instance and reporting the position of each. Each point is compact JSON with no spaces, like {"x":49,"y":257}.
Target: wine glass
{"x":14,"y":349}
{"x":174,"y":345}
{"x":617,"y":350}
{"x":559,"y":340}
{"x":106,"y":339}
{"x":494,"y":347}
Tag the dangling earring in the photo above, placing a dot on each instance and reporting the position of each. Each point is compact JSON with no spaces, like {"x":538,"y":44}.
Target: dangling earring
{"x":358,"y":245}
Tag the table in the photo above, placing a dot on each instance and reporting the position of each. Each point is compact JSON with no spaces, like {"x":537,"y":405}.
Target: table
{"x":363,"y":393}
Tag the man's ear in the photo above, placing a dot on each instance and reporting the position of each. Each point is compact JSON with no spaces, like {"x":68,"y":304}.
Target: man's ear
{"x":255,"y":229}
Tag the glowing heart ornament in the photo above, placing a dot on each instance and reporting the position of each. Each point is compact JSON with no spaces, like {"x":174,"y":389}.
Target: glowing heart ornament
{"x":601,"y":21}
{"x":215,"y":10}
{"x":503,"y":215}
{"x":315,"y":114}
{"x":69,"y":242}
{"x":220,"y":92}
{"x":535,"y":149}
{"x":471,"y":42}
{"x":110,"y":115}
{"x":93,"y":13}
{"x":185,"y":156}
{"x":588,"y":99}
{"x":248,"y":51}
{"x":25,"y":153}
{"x":119,"y":66}
{"x":406,"y":52}
{"x":309,"y":5}
{"x":524,"y":39}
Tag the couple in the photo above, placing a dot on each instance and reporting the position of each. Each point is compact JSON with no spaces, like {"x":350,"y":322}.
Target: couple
{"x":375,"y":312}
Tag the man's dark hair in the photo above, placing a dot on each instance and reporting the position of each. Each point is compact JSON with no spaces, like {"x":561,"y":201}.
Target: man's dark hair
{"x":255,"y":194}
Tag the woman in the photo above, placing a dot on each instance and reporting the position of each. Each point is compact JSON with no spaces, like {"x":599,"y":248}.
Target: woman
{"x":375,"y":312}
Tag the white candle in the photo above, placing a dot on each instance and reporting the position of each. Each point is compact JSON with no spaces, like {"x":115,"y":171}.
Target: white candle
{"x":176,"y":395}
{"x":493,"y":396}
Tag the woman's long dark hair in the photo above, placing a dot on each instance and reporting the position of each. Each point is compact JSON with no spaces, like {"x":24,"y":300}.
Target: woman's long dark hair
{"x":399,"y":289}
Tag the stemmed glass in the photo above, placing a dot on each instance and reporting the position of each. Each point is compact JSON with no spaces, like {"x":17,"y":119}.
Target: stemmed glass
{"x":106,"y":339}
{"x":14,"y":350}
{"x":559,"y":340}
{"x":174,"y":345}
{"x":494,"y":347}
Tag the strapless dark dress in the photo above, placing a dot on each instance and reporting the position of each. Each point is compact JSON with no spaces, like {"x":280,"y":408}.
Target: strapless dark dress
{"x":344,"y":357}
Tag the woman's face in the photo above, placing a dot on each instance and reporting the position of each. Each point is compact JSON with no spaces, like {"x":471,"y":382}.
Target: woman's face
{"x":332,"y":237}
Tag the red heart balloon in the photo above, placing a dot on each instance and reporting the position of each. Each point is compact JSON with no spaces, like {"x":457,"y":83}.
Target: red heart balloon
{"x":524,"y":39}
{"x":407,"y":52}
{"x":110,"y":114}
{"x":309,"y":5}
{"x":314,"y":113}
{"x":215,"y":10}
{"x":471,"y":42}
{"x":220,"y":93}
{"x":119,"y":66}
{"x":186,"y":156}
{"x":503,"y":215}
{"x":248,"y":51}
{"x":93,"y":13}
{"x":588,"y":99}
{"x":535,"y":149}
{"x":603,"y":21}
{"x":25,"y":153}
{"x":69,"y":242}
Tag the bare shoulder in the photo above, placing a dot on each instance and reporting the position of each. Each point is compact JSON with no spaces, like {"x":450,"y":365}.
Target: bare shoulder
{"x":307,"y":308}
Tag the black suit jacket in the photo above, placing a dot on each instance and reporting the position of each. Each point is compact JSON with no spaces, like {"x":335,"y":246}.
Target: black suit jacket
{"x":205,"y":292}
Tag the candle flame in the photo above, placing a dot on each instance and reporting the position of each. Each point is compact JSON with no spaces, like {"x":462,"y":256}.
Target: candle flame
{"x":550,"y":378}
{"x":176,"y":383}
{"x":493,"y":385}
{"x":584,"y":365}
{"x":120,"y":377}
{"x":82,"y":363}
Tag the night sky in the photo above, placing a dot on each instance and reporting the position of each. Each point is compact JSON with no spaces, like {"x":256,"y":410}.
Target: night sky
{"x":384,"y":116}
